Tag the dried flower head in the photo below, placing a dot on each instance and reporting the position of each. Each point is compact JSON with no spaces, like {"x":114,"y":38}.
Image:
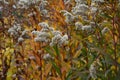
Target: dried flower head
{"x":47,"y":56}
{"x":44,"y":25}
{"x":105,"y":30}
{"x":20,"y":39}
{"x":78,"y":26}
{"x":92,"y":70}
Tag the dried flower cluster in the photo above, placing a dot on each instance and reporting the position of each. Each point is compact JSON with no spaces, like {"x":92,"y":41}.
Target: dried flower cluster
{"x":49,"y":35}
{"x":66,"y":39}
{"x":18,"y":33}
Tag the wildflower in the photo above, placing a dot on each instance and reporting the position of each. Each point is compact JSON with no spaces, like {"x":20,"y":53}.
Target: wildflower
{"x":105,"y":30}
{"x":78,"y":25}
{"x":52,"y":44}
{"x":68,"y":17}
{"x":86,"y":28}
{"x":32,"y":57}
{"x":14,"y":6}
{"x":44,"y":25}
{"x":92,"y":70}
{"x":65,"y":37}
{"x":14,"y":76}
{"x":15,"y":27}
{"x":93,"y":10}
{"x":83,"y":7}
{"x":51,"y":29}
{"x":20,"y":39}
{"x":11,"y":30}
{"x":45,"y":30}
{"x":21,"y":4}
{"x":63,"y":11}
{"x":35,"y":32}
{"x":30,"y":14}
{"x":76,"y":11}
{"x":44,"y":12}
{"x":67,"y":1}
{"x":98,"y":1}
{"x":67,"y":48}
{"x":39,"y":39}
{"x":63,"y":40}
{"x":42,"y":37}
{"x":93,"y":24}
{"x":56,"y":38}
{"x":24,"y":32}
{"x":43,"y":34}
{"x":33,"y":1}
{"x":42,"y":5}
{"x":56,"y":33}
{"x":39,"y":51}
{"x":80,"y":1}
{"x":1,"y":8}
{"x":5,"y":2}
{"x":47,"y":56}
{"x":18,"y":27}
{"x":60,"y":40}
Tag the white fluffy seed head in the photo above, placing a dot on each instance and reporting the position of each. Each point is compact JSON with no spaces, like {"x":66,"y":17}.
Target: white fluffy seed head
{"x":93,"y":10}
{"x":78,"y":25}
{"x":11,"y":30}
{"x":56,"y":33}
{"x":68,"y":17}
{"x":51,"y":44}
{"x":44,"y":25}
{"x":44,"y":12}
{"x":15,"y":27}
{"x":40,"y":39}
{"x":24,"y":32}
{"x":44,"y":30}
{"x":80,"y":1}
{"x":47,"y":56}
{"x":65,"y":37}
{"x":98,"y":1}
{"x":63,"y":40}
{"x":105,"y":30}
{"x":60,"y":40}
{"x":20,"y":39}
{"x":43,"y":34}
{"x":56,"y":38}
{"x":51,"y":29}
{"x":83,"y":7}
{"x":92,"y":70}
{"x":86,"y":28}
{"x":35,"y":32}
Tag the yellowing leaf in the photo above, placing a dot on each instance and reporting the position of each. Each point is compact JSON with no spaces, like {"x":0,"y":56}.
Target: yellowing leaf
{"x":47,"y":68}
{"x":112,"y":67}
{"x":90,"y":39}
{"x":118,"y":60}
{"x":77,"y":54}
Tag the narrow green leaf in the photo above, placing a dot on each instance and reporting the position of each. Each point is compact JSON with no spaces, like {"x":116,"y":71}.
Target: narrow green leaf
{"x":47,"y":49}
{"x":106,"y":16}
{"x":56,"y":68}
{"x":68,"y":75}
{"x":56,"y":50}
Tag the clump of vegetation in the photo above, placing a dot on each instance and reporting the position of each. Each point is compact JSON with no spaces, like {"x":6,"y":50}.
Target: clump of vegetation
{"x":59,"y":39}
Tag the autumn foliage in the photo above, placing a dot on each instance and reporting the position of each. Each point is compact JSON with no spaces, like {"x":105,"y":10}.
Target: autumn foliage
{"x":59,"y":39}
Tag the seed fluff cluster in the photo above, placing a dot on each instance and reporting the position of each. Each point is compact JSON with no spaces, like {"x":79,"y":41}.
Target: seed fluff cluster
{"x":50,"y":35}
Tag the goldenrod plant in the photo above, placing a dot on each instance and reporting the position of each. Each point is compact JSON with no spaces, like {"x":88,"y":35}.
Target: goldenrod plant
{"x":59,"y":39}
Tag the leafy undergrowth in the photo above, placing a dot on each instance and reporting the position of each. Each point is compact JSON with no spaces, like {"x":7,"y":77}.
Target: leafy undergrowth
{"x":59,"y":39}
